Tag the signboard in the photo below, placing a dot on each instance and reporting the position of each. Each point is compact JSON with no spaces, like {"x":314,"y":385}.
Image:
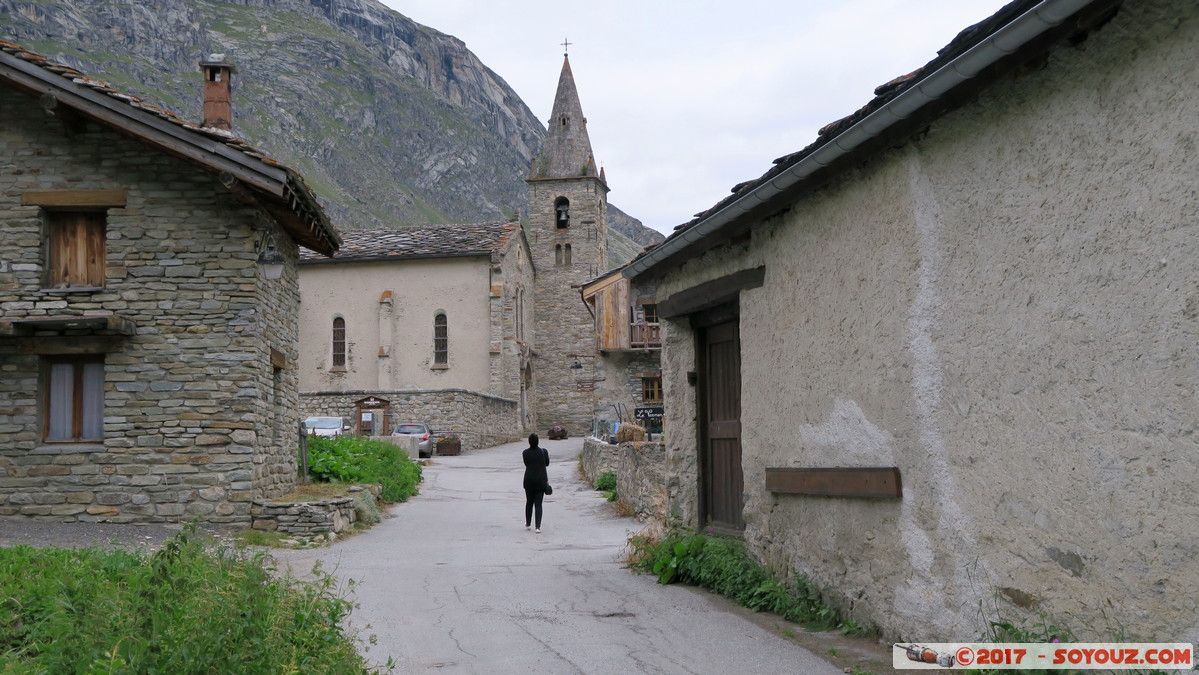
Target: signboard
{"x":586,"y":385}
{"x":654,"y":414}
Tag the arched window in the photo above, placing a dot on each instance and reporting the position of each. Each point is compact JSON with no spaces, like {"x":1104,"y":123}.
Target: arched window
{"x":562,"y":212}
{"x":558,"y":255}
{"x":339,"y":342}
{"x":441,"y":340}
{"x":566,"y":256}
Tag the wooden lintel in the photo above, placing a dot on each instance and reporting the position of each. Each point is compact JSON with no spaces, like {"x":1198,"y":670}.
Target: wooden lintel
{"x":63,"y":345}
{"x":278,"y":359}
{"x":836,"y":482}
{"x":105,"y":199}
{"x":711,"y":293}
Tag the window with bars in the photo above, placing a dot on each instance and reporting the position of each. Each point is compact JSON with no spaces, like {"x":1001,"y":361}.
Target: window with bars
{"x":651,"y":389}
{"x":441,"y":340}
{"x":73,"y":400}
{"x":76,"y":248}
{"x":339,"y":343}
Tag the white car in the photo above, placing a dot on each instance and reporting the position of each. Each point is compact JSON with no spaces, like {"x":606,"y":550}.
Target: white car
{"x":329,"y":427}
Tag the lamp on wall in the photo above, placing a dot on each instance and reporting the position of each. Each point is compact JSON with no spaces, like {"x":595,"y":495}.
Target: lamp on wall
{"x":576,"y":366}
{"x":269,"y":257}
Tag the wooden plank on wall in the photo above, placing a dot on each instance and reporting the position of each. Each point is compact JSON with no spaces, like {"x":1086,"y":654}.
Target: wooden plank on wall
{"x":836,"y":482}
{"x":109,"y":199}
{"x":711,"y":293}
{"x":63,"y":345}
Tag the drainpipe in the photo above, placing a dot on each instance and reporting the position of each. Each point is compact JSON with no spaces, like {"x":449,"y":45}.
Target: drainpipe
{"x":1044,"y":16}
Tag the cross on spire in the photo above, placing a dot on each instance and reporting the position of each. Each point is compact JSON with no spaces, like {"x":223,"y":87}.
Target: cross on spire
{"x":566,"y":43}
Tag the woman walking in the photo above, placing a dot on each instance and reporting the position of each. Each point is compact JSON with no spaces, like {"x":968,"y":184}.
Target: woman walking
{"x":536,"y":480}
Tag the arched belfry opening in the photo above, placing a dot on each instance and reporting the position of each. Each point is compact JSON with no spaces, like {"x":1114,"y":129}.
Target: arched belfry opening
{"x":562,"y":213}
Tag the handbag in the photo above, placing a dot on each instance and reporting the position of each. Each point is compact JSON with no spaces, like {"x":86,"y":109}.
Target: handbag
{"x":549,"y":490}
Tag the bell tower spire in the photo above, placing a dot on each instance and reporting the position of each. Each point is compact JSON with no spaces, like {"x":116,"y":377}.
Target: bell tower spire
{"x":567,"y":149}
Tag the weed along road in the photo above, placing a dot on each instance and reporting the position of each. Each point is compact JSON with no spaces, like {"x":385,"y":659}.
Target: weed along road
{"x":452,"y":582}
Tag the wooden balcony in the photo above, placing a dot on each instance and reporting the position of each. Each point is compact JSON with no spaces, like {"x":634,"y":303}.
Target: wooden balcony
{"x":645,"y":335}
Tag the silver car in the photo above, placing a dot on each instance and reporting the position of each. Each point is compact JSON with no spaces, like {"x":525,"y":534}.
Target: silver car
{"x":329,"y":427}
{"x":421,"y":431}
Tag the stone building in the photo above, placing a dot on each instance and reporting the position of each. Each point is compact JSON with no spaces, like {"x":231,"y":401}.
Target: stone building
{"x":942,"y":361}
{"x":428,"y":324}
{"x":147,"y":356}
{"x":628,"y":345}
{"x":568,"y":238}
{"x":521,"y":344}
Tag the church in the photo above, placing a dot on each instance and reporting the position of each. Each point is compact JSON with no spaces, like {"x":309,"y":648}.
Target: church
{"x":477,"y":330}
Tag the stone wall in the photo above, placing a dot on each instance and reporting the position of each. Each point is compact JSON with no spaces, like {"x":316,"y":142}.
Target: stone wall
{"x":565,"y":329}
{"x":1005,"y":309}
{"x":640,"y":470}
{"x":196,"y":421}
{"x":304,"y":518}
{"x":479,"y":419}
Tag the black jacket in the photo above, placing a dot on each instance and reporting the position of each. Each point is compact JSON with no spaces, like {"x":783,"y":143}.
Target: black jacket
{"x":536,"y":459}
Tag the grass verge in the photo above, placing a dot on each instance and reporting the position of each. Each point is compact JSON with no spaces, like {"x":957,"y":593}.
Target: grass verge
{"x":183,"y":609}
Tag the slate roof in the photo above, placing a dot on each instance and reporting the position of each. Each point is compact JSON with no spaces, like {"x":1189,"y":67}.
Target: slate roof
{"x":295,"y":196}
{"x":423,"y":241}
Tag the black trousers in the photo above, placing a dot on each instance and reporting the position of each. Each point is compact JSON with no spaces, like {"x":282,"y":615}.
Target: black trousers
{"x":533,"y":499}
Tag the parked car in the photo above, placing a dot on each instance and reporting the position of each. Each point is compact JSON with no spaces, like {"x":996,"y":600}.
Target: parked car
{"x":329,"y":427}
{"x":421,"y":431}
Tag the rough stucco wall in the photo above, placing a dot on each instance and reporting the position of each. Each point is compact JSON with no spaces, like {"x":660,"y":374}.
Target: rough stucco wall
{"x":1006,"y":311}
{"x":189,"y":400}
{"x":459,"y":286}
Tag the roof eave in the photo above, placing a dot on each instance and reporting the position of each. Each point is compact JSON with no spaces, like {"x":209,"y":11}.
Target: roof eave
{"x":904,"y":114}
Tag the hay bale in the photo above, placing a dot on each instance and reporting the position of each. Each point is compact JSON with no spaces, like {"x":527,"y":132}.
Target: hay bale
{"x":629,"y":433}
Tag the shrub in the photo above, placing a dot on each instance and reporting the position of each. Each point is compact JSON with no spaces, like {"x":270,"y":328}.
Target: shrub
{"x":183,"y":609}
{"x":722,"y":565}
{"x":351,"y":459}
{"x":606,"y":482}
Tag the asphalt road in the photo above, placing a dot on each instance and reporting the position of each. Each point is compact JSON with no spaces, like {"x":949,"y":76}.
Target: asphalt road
{"x":452,"y":582}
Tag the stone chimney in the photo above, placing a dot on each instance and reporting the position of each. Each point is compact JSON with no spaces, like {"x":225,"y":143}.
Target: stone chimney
{"x":218,"y":103}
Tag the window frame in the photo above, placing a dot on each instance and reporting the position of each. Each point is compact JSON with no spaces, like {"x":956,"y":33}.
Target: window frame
{"x":651,"y":389}
{"x":82,"y":390}
{"x":339,"y":344}
{"x":441,"y":340}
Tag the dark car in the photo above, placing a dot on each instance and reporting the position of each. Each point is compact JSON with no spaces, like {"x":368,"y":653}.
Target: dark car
{"x":419,"y":430}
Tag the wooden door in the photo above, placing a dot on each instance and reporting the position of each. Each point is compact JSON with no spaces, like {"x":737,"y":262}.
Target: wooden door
{"x":721,"y":478}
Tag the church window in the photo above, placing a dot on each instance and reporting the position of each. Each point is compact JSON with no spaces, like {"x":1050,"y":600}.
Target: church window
{"x":563,"y":120}
{"x":566,"y":256}
{"x":558,"y":255}
{"x":441,"y":340}
{"x":339,"y":343}
{"x":562,"y":213}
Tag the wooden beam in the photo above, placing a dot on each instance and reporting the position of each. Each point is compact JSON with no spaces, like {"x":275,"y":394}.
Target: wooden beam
{"x":836,"y":482}
{"x":63,"y":345}
{"x":106,"y":199}
{"x":711,"y":293}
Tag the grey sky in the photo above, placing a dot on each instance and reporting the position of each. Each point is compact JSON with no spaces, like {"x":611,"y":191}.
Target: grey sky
{"x":685,"y":99}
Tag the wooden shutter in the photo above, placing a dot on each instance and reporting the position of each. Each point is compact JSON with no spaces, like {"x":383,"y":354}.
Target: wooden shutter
{"x":76,"y":248}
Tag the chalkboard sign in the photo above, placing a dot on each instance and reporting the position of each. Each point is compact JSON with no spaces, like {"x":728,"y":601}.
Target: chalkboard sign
{"x":647,"y":413}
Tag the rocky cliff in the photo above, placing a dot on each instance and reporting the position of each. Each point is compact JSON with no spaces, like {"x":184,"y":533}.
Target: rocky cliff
{"x":391,"y":122}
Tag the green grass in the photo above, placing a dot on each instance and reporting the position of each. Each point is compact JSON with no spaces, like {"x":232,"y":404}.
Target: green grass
{"x":184,"y":609}
{"x":722,"y":565}
{"x":351,"y":459}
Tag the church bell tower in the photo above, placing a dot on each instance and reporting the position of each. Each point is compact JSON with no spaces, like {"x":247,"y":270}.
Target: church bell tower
{"x":568,"y":201}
